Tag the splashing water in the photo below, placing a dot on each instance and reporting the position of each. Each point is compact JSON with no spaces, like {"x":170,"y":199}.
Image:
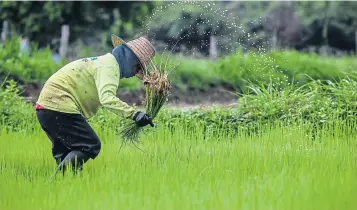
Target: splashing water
{"x":189,"y":26}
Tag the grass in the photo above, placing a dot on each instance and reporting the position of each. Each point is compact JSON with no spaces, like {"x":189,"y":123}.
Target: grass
{"x":280,"y":169}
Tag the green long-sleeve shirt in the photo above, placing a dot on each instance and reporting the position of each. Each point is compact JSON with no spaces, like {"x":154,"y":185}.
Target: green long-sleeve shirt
{"x":84,"y":86}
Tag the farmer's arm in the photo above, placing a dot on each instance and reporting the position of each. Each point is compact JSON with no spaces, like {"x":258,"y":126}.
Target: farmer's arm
{"x":107,"y":82}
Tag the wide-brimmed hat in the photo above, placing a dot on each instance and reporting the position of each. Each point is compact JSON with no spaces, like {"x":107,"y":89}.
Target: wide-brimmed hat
{"x":141,"y":47}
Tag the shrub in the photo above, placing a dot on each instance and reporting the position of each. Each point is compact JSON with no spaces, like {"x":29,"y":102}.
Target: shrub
{"x":36,"y":67}
{"x":15,"y":113}
{"x":282,"y":68}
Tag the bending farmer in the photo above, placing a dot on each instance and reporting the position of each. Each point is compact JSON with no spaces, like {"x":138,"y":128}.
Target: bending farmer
{"x":78,"y":90}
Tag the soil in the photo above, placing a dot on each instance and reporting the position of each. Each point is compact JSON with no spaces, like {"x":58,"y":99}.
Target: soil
{"x":215,"y":95}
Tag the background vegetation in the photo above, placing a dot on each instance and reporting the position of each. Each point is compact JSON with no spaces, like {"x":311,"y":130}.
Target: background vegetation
{"x":233,"y":72}
{"x":274,"y":24}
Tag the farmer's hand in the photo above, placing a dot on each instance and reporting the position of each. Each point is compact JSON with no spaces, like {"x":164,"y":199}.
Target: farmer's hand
{"x":142,"y":119}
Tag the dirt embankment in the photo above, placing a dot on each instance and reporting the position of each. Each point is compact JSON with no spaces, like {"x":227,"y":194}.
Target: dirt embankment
{"x":217,"y":95}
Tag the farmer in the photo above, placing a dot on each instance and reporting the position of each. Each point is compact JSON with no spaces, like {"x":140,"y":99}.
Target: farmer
{"x":78,"y":90}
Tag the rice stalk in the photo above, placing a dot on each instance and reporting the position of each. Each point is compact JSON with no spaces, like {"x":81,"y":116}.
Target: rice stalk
{"x":157,"y":88}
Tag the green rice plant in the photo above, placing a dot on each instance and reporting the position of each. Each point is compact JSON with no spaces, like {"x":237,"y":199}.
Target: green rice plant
{"x":281,"y":168}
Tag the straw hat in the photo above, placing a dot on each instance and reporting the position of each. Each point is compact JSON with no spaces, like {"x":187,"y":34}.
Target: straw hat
{"x":141,"y":47}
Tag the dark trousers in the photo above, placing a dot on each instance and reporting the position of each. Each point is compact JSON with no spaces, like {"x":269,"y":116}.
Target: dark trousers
{"x":68,"y":132}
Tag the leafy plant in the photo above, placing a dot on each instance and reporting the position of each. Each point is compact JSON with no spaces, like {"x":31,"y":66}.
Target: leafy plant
{"x":15,"y":113}
{"x":36,"y":67}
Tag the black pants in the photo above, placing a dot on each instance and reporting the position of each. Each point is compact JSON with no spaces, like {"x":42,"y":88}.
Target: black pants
{"x":68,"y":132}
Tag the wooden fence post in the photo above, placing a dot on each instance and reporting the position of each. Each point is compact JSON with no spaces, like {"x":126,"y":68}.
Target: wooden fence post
{"x":64,"y":41}
{"x":274,"y":41}
{"x":356,"y":41}
{"x":5,"y":31}
{"x":213,"y":47}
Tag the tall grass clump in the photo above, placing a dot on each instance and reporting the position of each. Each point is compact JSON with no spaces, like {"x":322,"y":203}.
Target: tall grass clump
{"x":15,"y":114}
{"x":317,"y":103}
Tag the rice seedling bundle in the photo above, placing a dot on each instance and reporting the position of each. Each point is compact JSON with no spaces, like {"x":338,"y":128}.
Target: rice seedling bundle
{"x":157,"y":88}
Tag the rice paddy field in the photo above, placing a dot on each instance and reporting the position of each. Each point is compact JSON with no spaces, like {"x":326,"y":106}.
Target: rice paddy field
{"x":290,"y":144}
{"x":279,"y":168}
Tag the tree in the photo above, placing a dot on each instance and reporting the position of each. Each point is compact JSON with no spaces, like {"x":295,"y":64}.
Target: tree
{"x":329,"y":23}
{"x":41,"y":21}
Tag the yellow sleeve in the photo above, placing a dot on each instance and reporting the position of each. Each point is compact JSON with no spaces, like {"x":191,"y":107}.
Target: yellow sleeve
{"x":107,"y":83}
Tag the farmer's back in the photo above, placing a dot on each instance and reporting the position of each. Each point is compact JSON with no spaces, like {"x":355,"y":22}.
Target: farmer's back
{"x":74,"y":88}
